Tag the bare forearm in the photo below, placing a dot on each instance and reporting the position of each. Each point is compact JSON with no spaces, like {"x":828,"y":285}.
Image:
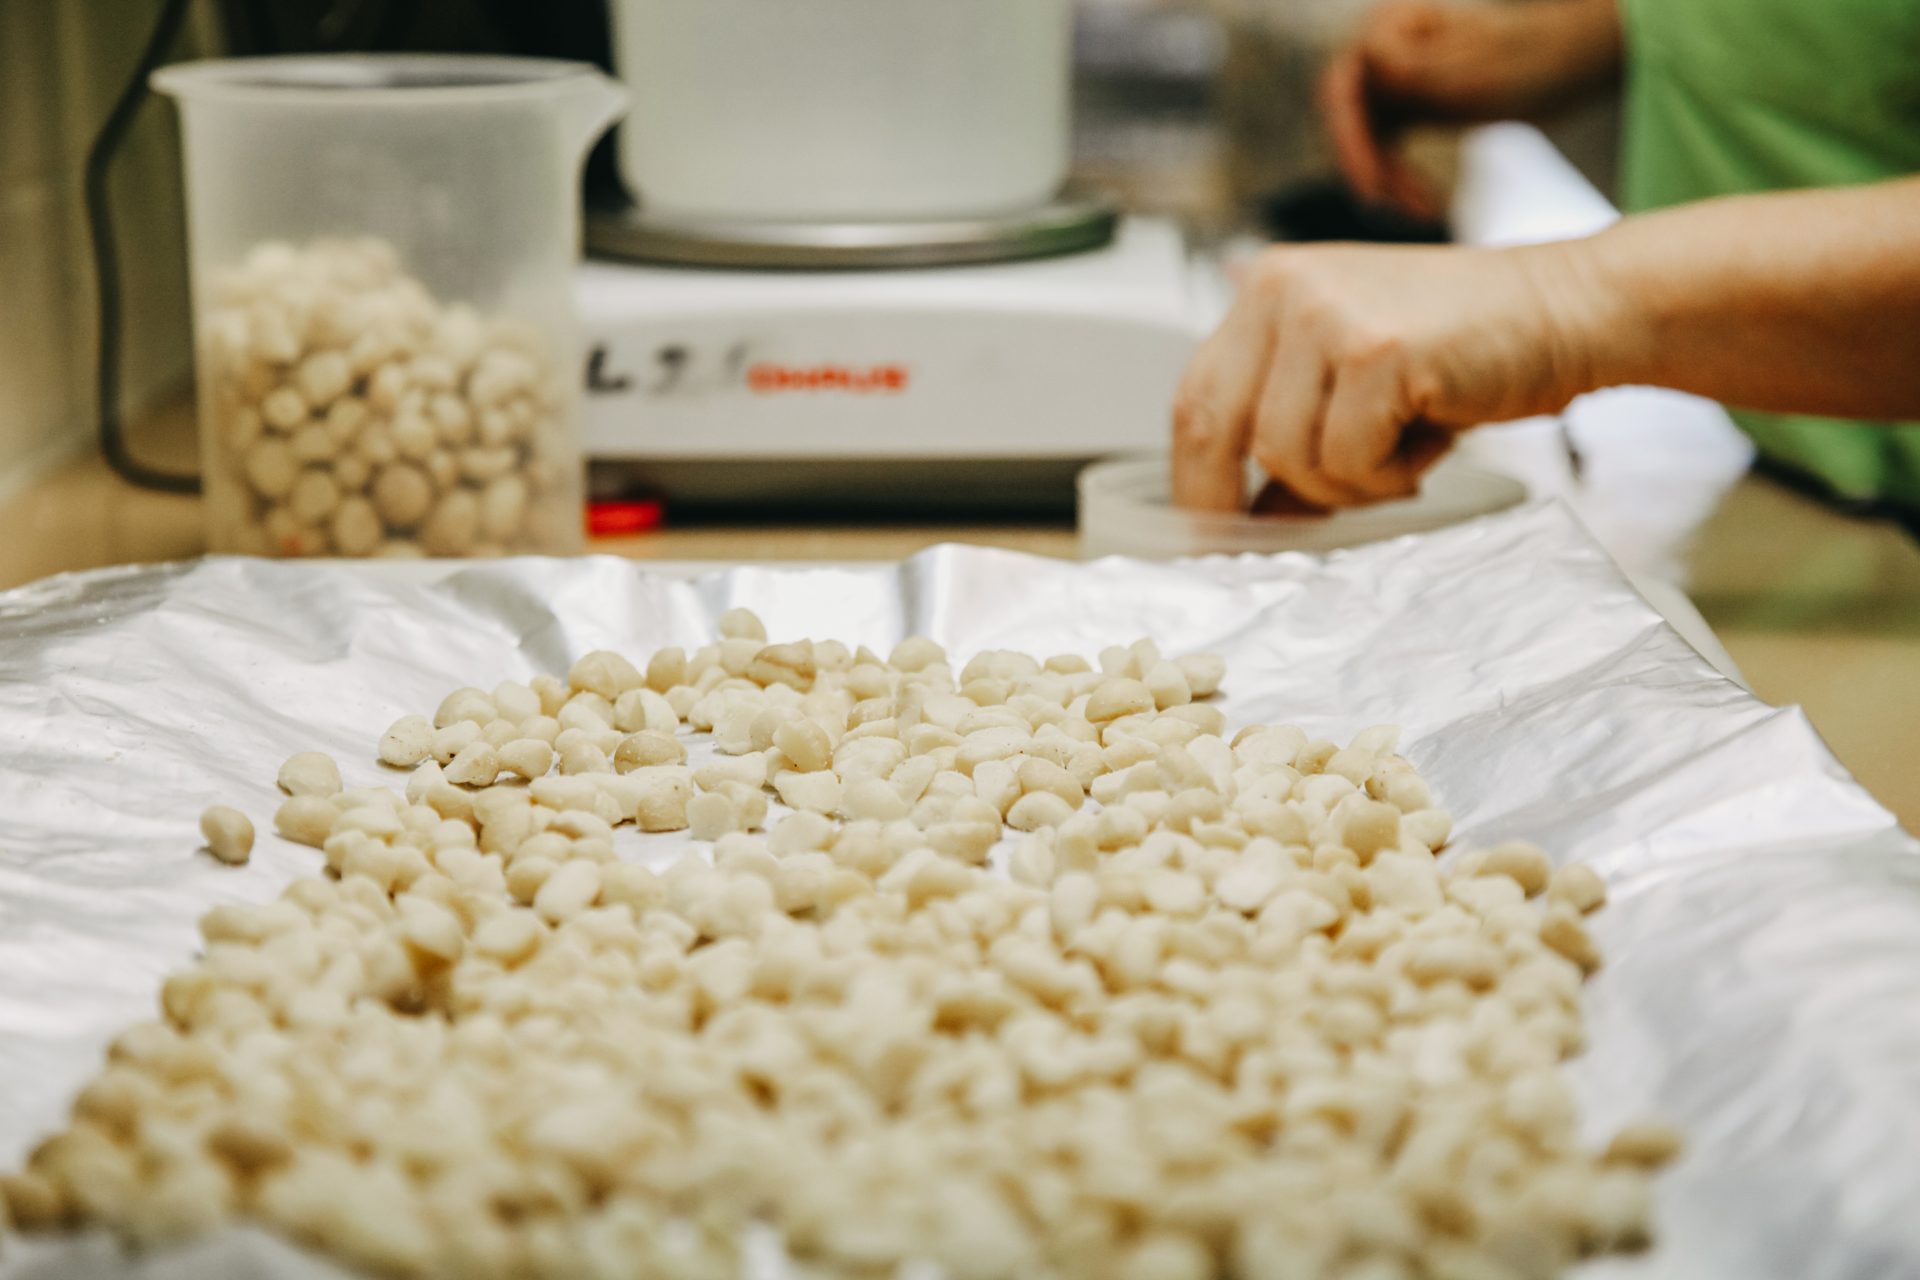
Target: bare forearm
{"x":1338,"y":366}
{"x":1804,"y":302}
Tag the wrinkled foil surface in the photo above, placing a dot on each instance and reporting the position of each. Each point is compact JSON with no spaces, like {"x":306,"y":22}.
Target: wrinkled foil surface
{"x":1763,"y":938}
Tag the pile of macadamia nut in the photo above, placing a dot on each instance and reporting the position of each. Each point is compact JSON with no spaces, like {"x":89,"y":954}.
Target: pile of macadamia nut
{"x":350,"y":413}
{"x":1215,"y":1010}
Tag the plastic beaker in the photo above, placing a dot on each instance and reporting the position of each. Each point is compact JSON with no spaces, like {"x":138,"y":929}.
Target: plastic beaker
{"x":382,"y":255}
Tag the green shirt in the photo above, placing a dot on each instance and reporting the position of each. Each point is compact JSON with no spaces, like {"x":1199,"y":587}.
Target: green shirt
{"x":1728,"y":96}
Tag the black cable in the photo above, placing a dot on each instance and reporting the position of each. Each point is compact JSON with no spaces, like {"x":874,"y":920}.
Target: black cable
{"x":106,"y":258}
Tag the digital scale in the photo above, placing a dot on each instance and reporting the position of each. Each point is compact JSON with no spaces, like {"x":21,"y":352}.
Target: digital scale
{"x":966,"y":365}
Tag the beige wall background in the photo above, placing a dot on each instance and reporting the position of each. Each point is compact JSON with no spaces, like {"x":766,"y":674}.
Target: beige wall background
{"x":62,"y":63}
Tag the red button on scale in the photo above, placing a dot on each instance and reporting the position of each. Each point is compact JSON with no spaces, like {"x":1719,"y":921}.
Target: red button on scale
{"x":637,"y":515}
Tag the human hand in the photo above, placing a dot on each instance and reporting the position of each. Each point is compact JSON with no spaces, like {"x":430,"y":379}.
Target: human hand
{"x":1345,"y":371}
{"x":1418,"y":61}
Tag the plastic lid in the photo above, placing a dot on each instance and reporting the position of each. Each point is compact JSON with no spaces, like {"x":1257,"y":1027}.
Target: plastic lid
{"x":1126,"y":508}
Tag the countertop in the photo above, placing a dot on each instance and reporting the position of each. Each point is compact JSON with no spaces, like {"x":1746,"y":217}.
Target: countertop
{"x":1816,"y":607}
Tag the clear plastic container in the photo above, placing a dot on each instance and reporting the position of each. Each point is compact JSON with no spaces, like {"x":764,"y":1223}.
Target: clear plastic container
{"x":383,"y":251}
{"x":844,"y":110}
{"x":1126,"y":509}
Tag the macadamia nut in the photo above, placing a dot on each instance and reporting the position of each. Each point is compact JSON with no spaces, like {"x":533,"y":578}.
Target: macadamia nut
{"x":228,"y":833}
{"x":310,"y":773}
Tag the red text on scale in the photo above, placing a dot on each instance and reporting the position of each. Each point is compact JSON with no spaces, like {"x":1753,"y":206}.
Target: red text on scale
{"x":767,"y":378}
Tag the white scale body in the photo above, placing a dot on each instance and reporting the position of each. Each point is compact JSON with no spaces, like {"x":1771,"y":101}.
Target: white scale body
{"x":729,"y":384}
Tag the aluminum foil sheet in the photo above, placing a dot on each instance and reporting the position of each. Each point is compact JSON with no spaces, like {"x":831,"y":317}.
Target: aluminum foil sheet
{"x":1763,"y":984}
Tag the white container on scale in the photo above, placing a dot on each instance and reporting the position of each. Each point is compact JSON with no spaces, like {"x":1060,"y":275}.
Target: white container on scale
{"x":829,"y":110}
{"x":851,"y":278}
